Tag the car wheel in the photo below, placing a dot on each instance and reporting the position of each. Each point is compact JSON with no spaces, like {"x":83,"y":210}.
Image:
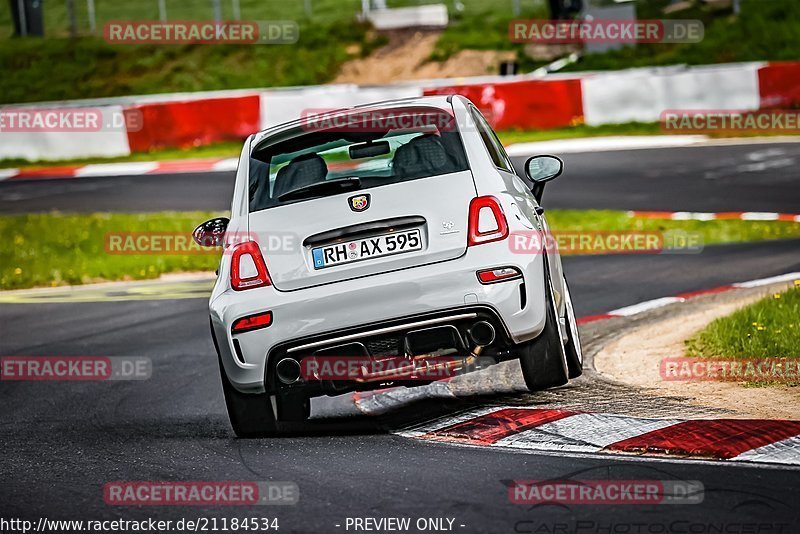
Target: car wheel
{"x":543,"y":360}
{"x":573,"y":347}
{"x":250,"y":414}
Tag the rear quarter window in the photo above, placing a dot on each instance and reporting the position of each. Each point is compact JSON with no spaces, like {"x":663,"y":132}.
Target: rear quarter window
{"x":374,"y":156}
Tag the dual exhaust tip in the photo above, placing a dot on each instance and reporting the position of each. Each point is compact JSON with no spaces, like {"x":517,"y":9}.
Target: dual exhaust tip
{"x":481,"y":334}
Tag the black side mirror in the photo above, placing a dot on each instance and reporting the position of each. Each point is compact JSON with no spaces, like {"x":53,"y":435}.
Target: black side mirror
{"x":211,"y":233}
{"x":542,"y":169}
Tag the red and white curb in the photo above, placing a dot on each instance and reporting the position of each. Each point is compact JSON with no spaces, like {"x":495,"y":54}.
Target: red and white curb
{"x":567,"y":431}
{"x":722,"y":216}
{"x":533,"y":429}
{"x":135,"y":168}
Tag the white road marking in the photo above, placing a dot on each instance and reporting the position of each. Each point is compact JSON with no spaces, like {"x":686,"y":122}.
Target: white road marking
{"x":603,"y":144}
{"x":647,"y":305}
{"x":692,"y":216}
{"x":117,"y":169}
{"x":759,"y":216}
{"x":789,"y":277}
{"x":5,"y":174}
{"x":227,"y":164}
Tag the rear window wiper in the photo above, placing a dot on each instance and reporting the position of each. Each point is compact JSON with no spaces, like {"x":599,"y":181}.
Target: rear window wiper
{"x":330,"y":187}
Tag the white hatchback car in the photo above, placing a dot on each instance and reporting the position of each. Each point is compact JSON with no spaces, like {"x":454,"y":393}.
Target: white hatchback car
{"x":382,"y":234}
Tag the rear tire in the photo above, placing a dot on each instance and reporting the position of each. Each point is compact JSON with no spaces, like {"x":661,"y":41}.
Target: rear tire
{"x":543,"y":360}
{"x":573,"y":346}
{"x":250,"y":414}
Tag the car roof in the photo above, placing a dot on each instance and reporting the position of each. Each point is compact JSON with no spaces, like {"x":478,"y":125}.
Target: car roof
{"x":443,"y":102}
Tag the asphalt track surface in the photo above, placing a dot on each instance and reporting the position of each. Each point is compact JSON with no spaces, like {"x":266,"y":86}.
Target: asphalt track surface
{"x":62,"y":441}
{"x":759,"y":177}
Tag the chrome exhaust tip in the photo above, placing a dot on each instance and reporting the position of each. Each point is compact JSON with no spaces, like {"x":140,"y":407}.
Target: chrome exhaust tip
{"x":288,"y":371}
{"x":481,"y":333}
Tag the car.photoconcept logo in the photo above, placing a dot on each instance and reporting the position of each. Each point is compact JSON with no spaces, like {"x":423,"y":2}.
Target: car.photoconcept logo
{"x":359,"y":203}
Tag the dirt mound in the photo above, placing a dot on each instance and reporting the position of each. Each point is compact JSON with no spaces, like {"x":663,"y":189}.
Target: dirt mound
{"x":405,"y":57}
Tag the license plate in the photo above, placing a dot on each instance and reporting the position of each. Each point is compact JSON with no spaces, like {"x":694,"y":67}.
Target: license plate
{"x":365,"y":249}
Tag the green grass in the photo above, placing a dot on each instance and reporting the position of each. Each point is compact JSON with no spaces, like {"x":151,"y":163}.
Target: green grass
{"x":58,"y":249}
{"x":712,"y":232}
{"x":56,"y":21}
{"x":766,"y":331}
{"x":56,"y":69}
{"x":765,"y":30}
{"x":769,"y":328}
{"x":66,"y":249}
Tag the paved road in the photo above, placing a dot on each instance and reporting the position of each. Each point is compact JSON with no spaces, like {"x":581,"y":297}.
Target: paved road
{"x":762,"y":177}
{"x":63,"y":441}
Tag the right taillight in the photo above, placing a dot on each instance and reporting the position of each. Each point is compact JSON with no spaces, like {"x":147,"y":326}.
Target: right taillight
{"x":487,"y":222}
{"x":500,"y":274}
{"x":248,"y":269}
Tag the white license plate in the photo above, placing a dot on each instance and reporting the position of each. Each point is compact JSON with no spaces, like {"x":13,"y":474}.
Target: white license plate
{"x":364,"y":249}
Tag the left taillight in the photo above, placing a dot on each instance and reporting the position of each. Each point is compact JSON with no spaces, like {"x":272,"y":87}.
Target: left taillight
{"x":248,"y":269}
{"x":487,"y":222}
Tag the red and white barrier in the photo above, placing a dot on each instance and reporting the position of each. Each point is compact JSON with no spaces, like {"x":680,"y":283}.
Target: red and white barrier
{"x":526,"y":104}
{"x":60,"y":145}
{"x":779,"y":85}
{"x":279,"y":106}
{"x":523,"y":102}
{"x":641,"y":95}
{"x":195,"y":122}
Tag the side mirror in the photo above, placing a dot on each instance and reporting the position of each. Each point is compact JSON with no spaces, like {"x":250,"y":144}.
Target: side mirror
{"x":542,"y":169}
{"x":211,"y":233}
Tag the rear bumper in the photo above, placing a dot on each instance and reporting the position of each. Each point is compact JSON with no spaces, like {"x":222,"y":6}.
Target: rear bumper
{"x":331,"y":308}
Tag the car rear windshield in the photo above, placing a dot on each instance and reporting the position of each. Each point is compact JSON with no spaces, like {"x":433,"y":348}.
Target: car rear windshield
{"x":335,"y":153}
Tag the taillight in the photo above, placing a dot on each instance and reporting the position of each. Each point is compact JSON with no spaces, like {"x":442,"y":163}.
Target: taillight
{"x":248,"y":269}
{"x":252,"y":322}
{"x":487,"y":222}
{"x":500,"y":274}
